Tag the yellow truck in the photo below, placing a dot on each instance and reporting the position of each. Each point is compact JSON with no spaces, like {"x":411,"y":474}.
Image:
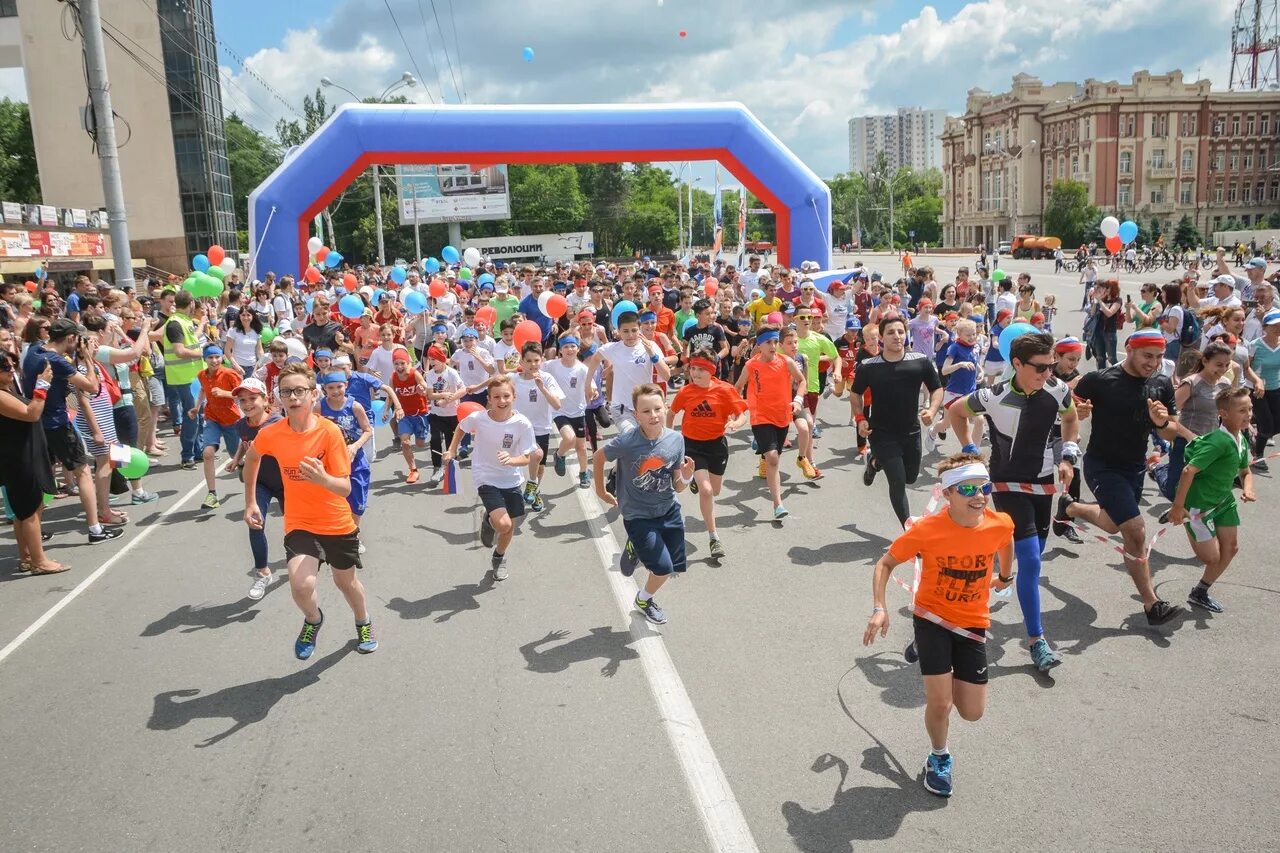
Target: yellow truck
{"x":1031,"y":246}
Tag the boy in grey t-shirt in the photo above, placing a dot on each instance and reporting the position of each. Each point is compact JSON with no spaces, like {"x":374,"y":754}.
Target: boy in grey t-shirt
{"x":652,"y":467}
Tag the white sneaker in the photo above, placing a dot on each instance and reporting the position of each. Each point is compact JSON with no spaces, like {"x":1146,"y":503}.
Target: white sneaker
{"x":259,"y":588}
{"x":930,"y":441}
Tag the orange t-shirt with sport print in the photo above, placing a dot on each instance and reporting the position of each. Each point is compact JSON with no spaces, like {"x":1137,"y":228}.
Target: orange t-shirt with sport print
{"x":956,"y":564}
{"x":707,"y":410}
{"x":308,"y":506}
{"x":769,"y":391}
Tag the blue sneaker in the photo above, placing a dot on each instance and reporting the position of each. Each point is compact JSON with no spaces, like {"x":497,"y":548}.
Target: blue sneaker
{"x":367,"y":642}
{"x":780,"y":512}
{"x":911,"y":653}
{"x":937,"y":775}
{"x":305,"y":645}
{"x":628,"y":561}
{"x":559,"y":464}
{"x":1045,"y":657}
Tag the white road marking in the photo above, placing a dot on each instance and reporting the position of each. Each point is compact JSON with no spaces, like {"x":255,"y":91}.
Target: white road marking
{"x":722,"y":818}
{"x":53,"y":611}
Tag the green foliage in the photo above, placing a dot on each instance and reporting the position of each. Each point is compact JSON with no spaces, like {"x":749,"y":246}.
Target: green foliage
{"x":1273,"y":221}
{"x":1187,"y":236}
{"x":866,"y":198}
{"x":1069,"y":216}
{"x":19,"y":177}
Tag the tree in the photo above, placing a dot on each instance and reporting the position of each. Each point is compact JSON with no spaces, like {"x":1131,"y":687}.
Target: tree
{"x":547,"y":199}
{"x":19,"y":176}
{"x":1068,"y":214}
{"x":1187,"y":236}
{"x":251,"y":157}
{"x":1273,"y":221}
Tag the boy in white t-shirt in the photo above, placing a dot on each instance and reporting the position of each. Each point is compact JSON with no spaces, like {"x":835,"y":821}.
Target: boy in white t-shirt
{"x":537,"y":394}
{"x":574,"y":379}
{"x":475,"y":365}
{"x":444,"y":389}
{"x":504,"y":349}
{"x":504,"y":444}
{"x":629,"y":363}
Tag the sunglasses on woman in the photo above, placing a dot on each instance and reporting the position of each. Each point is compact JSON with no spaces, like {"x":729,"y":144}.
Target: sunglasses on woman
{"x":969,"y":490}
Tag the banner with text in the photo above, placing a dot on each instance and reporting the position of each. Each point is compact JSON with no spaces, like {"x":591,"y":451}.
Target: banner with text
{"x":452,"y":193}
{"x":550,"y":246}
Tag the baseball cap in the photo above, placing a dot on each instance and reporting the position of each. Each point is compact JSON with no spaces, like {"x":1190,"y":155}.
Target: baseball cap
{"x":852,"y":323}
{"x":1271,"y":317}
{"x":212,"y":349}
{"x":837,"y":283}
{"x":875,"y":276}
{"x":1257,"y":264}
{"x":1228,"y":280}
{"x":252,"y":386}
{"x":64,"y":328}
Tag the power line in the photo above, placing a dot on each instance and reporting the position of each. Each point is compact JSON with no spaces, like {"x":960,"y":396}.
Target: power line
{"x":407,"y":49}
{"x":445,"y":47}
{"x":426,"y":35}
{"x":457,"y":49}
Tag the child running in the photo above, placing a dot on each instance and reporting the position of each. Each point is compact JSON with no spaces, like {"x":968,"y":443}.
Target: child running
{"x":806,"y":427}
{"x":503,"y":443}
{"x":337,"y":406}
{"x":446,"y":388}
{"x":1204,"y":503}
{"x":769,"y":377}
{"x":957,"y":549}
{"x":316,"y":469}
{"x":220,"y":415}
{"x":652,"y":467}
{"x":411,"y":390}
{"x":537,"y":395}
{"x":570,"y":420}
{"x":710,"y":407}
{"x":251,"y":397}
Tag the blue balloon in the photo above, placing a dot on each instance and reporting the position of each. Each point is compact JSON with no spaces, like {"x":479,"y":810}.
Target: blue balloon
{"x":377,"y":296}
{"x":485,"y":278}
{"x":1010,"y":332}
{"x":688,"y":324}
{"x":332,"y":260}
{"x":309,"y":303}
{"x":415,"y":302}
{"x":399,"y":274}
{"x":621,"y":308}
{"x":433,"y":266}
{"x":1128,"y":231}
{"x":41,"y":273}
{"x":200,"y":263}
{"x":450,"y":255}
{"x":351,"y":306}
{"x":379,"y":406}
{"x":527,"y":53}
{"x":195,"y":390}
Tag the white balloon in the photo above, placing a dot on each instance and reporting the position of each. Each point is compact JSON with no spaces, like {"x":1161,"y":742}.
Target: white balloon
{"x":1110,"y":227}
{"x":543,"y":299}
{"x":471,"y":257}
{"x":314,"y":244}
{"x":228,"y":264}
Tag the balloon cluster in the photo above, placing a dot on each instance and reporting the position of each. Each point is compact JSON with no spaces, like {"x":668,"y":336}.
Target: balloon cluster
{"x":323,"y":255}
{"x":1118,"y":234}
{"x":208,"y":269}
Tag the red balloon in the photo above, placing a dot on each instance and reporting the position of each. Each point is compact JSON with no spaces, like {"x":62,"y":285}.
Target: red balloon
{"x":215,"y":254}
{"x":437,"y":288}
{"x":321,"y":253}
{"x":1114,"y":245}
{"x":527,"y":332}
{"x":313,"y":275}
{"x":469,"y":408}
{"x":487,"y":315}
{"x":683,"y":34}
{"x":31,"y":287}
{"x":556,"y":306}
{"x":349,"y":281}
{"x":711,"y":288}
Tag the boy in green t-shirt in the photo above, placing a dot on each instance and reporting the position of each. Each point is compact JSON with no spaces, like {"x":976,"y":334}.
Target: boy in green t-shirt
{"x":1204,"y":502}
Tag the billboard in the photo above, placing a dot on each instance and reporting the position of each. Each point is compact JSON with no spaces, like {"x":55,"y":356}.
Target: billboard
{"x":553,"y":247}
{"x":457,"y":193}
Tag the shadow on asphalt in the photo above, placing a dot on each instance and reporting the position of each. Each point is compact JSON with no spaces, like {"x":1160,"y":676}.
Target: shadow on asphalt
{"x":243,"y":704}
{"x":868,"y":551}
{"x":603,"y":643}
{"x":443,"y":605}
{"x":190,"y":619}
{"x":863,"y":813}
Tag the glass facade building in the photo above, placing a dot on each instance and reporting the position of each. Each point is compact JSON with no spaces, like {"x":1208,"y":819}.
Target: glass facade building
{"x":195,"y":110}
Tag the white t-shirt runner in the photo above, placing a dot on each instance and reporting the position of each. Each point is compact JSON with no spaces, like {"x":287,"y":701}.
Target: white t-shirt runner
{"x":514,"y":435}
{"x":573,"y":384}
{"x":631,"y":367}
{"x":470,"y":365}
{"x":445,"y":382}
{"x":532,"y":403}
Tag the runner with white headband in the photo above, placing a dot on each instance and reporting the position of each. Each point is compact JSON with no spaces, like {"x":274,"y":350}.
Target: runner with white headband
{"x":957,"y":550}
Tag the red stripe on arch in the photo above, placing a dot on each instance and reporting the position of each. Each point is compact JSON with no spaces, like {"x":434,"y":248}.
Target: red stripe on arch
{"x":782,"y":214}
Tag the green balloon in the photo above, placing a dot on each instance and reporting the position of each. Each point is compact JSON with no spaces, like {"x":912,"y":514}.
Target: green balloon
{"x":137,"y":465}
{"x":464,"y":274}
{"x":999,"y":275}
{"x":268,"y":335}
{"x":216,"y":272}
{"x":191,"y":283}
{"x":48,"y":499}
{"x":36,"y":303}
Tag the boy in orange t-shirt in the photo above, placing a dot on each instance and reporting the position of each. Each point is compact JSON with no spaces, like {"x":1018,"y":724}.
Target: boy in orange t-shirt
{"x":957,"y":548}
{"x":710,"y":407}
{"x":217,"y":392}
{"x":316,"y":472}
{"x":769,"y":377}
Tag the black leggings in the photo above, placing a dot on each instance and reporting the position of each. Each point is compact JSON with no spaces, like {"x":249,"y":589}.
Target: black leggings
{"x":1266,"y":414}
{"x":442,"y":427}
{"x":596,"y":418}
{"x":898,"y":456}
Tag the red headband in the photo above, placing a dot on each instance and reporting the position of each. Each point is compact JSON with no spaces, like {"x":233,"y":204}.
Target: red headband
{"x":1141,"y":341}
{"x":709,"y":366}
{"x":1069,"y":346}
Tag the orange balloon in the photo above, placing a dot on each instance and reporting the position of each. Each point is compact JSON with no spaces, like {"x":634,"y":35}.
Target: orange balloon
{"x":711,"y":288}
{"x":469,"y":408}
{"x":349,"y":281}
{"x":437,"y":288}
{"x":31,"y":287}
{"x":321,"y":253}
{"x":215,"y":254}
{"x":556,"y":306}
{"x":527,"y":332}
{"x":487,"y":315}
{"x":312,"y":275}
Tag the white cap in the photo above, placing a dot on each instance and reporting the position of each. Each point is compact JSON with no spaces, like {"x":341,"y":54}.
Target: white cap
{"x":1226,"y":279}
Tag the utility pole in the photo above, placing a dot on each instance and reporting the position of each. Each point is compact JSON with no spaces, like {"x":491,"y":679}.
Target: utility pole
{"x":680,"y":221}
{"x":417,"y":242}
{"x":891,"y":245}
{"x":377,"y":212}
{"x":105,"y":138}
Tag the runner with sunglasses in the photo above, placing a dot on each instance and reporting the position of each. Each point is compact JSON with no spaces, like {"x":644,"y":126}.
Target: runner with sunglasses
{"x":1021,"y":413}
{"x":957,"y":550}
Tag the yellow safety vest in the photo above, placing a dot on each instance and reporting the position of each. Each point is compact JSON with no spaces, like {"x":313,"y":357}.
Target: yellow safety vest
{"x":179,"y":370}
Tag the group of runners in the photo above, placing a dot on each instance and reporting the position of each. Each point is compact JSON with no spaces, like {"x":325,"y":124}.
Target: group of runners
{"x":673,"y":359}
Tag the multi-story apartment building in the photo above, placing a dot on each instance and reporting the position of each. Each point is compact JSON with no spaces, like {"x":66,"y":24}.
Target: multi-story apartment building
{"x":911,"y":138}
{"x":1155,"y":148}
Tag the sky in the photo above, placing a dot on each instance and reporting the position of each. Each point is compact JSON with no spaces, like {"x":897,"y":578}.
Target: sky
{"x":804,"y":67}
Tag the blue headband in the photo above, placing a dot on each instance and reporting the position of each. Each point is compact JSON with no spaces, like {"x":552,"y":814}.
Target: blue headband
{"x":766,"y":336}
{"x":569,"y":339}
{"x":647,"y":316}
{"x":332,"y":377}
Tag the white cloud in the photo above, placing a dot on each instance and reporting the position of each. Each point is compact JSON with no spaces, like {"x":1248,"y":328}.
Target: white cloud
{"x":754,"y":51}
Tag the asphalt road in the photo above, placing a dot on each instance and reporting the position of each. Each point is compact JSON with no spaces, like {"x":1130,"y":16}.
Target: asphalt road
{"x":160,"y":709}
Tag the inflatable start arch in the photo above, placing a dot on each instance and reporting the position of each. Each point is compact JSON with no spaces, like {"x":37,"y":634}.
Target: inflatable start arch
{"x":358,"y":135}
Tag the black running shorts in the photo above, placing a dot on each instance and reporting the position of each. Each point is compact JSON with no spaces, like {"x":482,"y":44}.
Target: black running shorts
{"x":942,"y":651}
{"x":341,"y":551}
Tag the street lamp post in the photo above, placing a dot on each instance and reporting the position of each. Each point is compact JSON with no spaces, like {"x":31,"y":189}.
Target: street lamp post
{"x":406,"y":80}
